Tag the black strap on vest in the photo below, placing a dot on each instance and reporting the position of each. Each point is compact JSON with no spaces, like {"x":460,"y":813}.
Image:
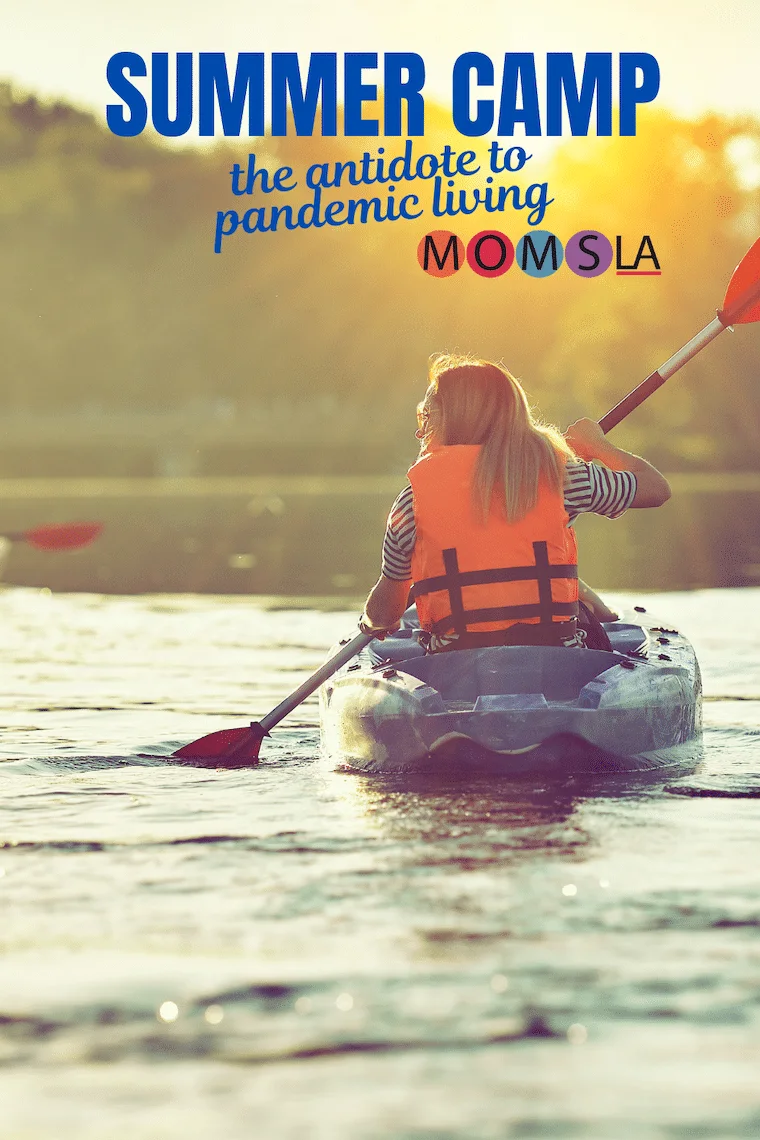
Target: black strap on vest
{"x":453,"y":581}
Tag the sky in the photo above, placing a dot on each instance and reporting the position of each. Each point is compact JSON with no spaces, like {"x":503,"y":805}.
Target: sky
{"x":707,"y":50}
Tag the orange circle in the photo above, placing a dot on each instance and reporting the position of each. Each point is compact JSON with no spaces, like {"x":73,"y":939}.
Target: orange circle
{"x":440,"y":253}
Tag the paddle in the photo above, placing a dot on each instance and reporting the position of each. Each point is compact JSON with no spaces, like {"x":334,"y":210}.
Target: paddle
{"x":57,"y":536}
{"x":741,"y":306}
{"x":237,"y":747}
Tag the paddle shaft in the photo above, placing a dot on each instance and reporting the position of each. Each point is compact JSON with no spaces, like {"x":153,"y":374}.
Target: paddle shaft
{"x":308,"y":687}
{"x":645,"y":389}
{"x":657,"y":378}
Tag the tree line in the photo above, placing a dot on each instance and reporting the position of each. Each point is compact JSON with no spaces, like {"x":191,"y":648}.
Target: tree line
{"x":112,"y":297}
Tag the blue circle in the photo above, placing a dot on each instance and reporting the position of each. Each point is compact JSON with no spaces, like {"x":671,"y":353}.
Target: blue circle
{"x":539,"y":254}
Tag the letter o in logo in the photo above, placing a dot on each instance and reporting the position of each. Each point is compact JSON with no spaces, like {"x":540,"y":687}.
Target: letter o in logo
{"x":490,"y":253}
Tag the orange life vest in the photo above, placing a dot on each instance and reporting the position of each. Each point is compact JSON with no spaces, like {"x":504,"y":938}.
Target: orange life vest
{"x":471,"y":577}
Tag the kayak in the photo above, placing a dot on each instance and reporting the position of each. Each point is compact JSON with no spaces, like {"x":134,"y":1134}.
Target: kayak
{"x":518,"y":710}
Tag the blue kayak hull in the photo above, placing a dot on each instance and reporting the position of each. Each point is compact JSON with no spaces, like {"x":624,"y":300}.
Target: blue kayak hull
{"x":518,"y":709}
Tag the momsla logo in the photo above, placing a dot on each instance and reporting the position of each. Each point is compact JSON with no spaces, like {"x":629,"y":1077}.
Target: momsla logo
{"x":490,"y":253}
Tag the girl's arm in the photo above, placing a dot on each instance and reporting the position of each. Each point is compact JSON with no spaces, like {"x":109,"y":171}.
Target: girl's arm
{"x":385,"y":605}
{"x":589,"y":442}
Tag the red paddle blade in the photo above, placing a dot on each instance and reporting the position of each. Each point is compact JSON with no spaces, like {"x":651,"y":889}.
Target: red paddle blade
{"x":232,"y":746}
{"x":744,"y":280}
{"x":62,"y":536}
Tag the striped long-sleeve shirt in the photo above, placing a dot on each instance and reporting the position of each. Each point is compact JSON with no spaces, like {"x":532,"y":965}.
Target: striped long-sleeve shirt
{"x":589,"y":489}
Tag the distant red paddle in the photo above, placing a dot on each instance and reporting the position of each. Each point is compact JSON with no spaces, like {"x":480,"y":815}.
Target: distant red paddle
{"x":237,"y":747}
{"x":57,"y":536}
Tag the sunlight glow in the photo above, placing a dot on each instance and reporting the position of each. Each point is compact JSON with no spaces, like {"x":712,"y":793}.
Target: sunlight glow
{"x":577,"y":1034}
{"x":168,"y":1011}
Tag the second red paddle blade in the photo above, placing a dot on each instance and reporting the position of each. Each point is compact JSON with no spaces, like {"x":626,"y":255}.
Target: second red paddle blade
{"x":745,"y":276}
{"x":63,"y":536}
{"x":228,"y":744}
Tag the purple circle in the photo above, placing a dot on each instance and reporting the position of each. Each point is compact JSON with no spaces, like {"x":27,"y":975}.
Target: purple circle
{"x":592,"y":258}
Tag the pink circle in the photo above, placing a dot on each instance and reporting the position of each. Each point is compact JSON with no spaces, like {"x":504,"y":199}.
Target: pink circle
{"x":490,"y":253}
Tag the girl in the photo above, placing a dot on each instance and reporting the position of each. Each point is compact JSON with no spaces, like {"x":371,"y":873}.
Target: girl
{"x":484,"y":530}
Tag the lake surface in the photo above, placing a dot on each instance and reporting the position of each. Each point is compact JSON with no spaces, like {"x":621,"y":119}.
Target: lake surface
{"x":290,"y":952}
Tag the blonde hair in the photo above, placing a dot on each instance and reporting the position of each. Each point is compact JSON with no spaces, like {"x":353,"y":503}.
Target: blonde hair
{"x":471,"y":401}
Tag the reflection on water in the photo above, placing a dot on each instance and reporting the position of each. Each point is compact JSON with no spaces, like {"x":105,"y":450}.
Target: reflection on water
{"x":477,"y":822}
{"x":347,"y":957}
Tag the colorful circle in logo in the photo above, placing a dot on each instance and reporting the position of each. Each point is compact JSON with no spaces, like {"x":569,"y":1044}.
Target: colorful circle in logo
{"x":589,"y":253}
{"x":490,"y":253}
{"x":441,"y":253}
{"x":539,"y":253}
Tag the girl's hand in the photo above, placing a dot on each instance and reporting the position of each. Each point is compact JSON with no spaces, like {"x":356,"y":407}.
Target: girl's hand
{"x":587,"y":439}
{"x":598,"y":607}
{"x":379,"y":633}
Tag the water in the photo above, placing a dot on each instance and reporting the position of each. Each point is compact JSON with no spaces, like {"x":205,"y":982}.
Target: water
{"x":321,"y":534}
{"x":290,"y":952}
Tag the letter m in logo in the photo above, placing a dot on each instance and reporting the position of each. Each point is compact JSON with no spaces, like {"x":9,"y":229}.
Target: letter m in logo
{"x":451,"y":250}
{"x":538,"y":261}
